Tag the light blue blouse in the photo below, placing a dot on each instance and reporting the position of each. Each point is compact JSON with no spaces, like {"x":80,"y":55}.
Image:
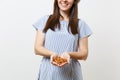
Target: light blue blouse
{"x":60,"y":41}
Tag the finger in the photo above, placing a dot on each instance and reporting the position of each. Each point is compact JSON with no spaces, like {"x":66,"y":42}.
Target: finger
{"x":54,"y":63}
{"x":62,"y":64}
{"x":51,"y":59}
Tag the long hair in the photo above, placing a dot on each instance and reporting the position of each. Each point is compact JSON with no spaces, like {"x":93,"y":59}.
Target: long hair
{"x":53,"y":20}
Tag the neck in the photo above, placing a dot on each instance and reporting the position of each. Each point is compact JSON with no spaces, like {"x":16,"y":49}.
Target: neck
{"x":64,"y":15}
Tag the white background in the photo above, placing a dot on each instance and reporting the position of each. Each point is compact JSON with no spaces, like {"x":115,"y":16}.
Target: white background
{"x":17,"y":58}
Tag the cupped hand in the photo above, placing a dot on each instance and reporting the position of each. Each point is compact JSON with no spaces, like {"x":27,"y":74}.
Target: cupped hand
{"x":67,"y":57}
{"x":52,"y":57}
{"x":60,"y":60}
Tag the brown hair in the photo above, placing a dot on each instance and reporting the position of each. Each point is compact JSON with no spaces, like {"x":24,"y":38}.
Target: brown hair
{"x":53,"y":20}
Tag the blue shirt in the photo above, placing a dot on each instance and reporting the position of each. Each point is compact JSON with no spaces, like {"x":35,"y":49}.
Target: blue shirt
{"x":60,"y":41}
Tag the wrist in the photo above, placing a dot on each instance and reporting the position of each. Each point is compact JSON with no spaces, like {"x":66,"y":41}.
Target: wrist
{"x":52,"y":53}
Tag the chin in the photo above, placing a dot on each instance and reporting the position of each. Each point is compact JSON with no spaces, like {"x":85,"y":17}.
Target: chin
{"x":64,"y":9}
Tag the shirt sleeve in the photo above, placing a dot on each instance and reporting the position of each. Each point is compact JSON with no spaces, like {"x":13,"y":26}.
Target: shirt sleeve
{"x":40,"y":23}
{"x":84,"y":29}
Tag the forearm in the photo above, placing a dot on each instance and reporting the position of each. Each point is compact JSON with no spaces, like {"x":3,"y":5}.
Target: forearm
{"x":81,"y":55}
{"x":43,"y":51}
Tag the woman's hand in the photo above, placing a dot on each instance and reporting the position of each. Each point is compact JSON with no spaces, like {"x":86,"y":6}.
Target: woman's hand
{"x":65,"y":56}
{"x":60,"y":60}
{"x":52,"y":57}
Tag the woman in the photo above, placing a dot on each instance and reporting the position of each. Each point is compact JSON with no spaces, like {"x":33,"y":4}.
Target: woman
{"x":62,"y":34}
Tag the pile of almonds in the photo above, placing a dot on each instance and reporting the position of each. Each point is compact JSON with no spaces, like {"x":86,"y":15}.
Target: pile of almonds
{"x":59,"y":60}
